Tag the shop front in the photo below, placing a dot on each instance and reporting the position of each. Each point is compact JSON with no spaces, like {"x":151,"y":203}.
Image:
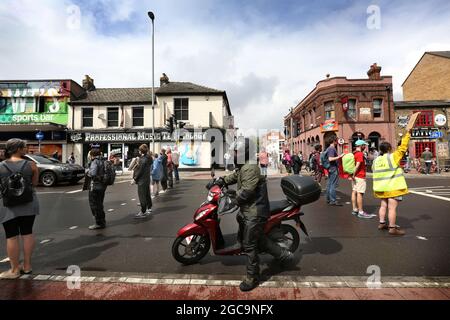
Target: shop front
{"x":195,"y":148}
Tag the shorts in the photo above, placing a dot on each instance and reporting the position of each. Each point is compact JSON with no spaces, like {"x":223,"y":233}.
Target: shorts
{"x":359,"y":185}
{"x":19,"y":226}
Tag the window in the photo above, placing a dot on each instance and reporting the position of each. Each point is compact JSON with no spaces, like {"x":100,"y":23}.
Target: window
{"x":351,"y":112}
{"x":88,"y":117}
{"x":377,"y":108}
{"x":113,"y":117}
{"x":181,"y":108}
{"x":329,"y":110}
{"x":138,"y":116}
{"x":426,"y":119}
{"x":420,"y":148}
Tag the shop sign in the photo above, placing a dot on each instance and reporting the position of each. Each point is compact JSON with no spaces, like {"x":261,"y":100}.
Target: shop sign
{"x":365,"y":111}
{"x":89,"y":137}
{"x":329,"y":125}
{"x":440,"y":120}
{"x":31,"y":118}
{"x":424,"y":133}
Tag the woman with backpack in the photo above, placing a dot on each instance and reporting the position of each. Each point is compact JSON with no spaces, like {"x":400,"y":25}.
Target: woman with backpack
{"x":19,"y":207}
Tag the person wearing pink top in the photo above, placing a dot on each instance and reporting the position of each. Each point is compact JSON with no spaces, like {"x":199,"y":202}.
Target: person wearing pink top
{"x":263,"y":161}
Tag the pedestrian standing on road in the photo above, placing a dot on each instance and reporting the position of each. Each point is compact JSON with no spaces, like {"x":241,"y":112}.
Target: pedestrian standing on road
{"x":263,"y":161}
{"x":359,"y":184}
{"x":17,"y":216}
{"x":97,"y":189}
{"x":296,"y":164}
{"x":164,"y":170}
{"x":427,"y":157}
{"x":332,"y":156}
{"x":141,"y":177}
{"x":389,"y":182}
{"x":176,"y":164}
{"x":302,"y":160}
{"x":315,"y":165}
{"x":157,"y":174}
{"x":169,"y":168}
{"x":287,"y":161}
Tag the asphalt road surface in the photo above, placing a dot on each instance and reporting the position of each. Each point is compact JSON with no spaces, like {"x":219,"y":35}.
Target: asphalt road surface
{"x":341,"y":244}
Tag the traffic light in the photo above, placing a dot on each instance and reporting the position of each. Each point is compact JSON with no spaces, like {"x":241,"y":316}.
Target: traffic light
{"x":170,"y":125}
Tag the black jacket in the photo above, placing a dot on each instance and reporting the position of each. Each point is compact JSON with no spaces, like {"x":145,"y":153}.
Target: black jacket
{"x":143,"y":171}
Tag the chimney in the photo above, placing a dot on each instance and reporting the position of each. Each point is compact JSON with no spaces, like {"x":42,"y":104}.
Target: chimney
{"x":88,"y":83}
{"x":164,"y":80}
{"x":374,"y":72}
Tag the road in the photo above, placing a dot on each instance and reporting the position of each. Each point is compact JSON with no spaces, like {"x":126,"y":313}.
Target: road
{"x":341,"y":244}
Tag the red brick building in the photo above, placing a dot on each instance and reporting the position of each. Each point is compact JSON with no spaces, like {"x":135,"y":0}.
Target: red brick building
{"x":351,"y":109}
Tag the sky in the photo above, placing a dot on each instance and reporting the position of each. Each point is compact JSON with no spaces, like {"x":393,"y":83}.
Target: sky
{"x":266,"y":54}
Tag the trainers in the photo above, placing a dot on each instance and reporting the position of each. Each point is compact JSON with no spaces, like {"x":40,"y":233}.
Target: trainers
{"x":10,"y":275}
{"x":365,"y":215}
{"x":96,"y":227}
{"x":140,"y":215}
{"x":355,"y":212}
{"x":383,"y":226}
{"x":162,"y":191}
{"x":396,"y":231}
{"x":148,"y":212}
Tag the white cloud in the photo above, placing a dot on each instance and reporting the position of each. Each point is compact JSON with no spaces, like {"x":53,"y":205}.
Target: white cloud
{"x":265,"y":70}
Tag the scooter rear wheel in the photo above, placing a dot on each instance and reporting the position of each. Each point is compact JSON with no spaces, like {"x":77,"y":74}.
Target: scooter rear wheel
{"x":190,"y":249}
{"x":291,"y":236}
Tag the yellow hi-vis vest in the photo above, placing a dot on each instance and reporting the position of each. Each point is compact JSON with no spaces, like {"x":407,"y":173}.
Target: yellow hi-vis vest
{"x":386,"y":176}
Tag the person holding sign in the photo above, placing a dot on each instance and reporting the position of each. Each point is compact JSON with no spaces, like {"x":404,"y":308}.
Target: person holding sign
{"x":389,"y":183}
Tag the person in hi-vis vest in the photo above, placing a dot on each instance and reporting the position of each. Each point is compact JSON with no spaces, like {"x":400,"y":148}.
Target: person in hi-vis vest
{"x":389,"y":182}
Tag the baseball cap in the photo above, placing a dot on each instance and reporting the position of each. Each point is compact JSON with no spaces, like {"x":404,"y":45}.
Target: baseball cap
{"x":361,"y":143}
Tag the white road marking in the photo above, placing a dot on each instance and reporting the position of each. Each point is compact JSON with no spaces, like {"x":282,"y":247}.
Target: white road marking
{"x":5,"y":260}
{"x":429,"y":195}
{"x":348,"y":203}
{"x":124,"y":181}
{"x":123,"y":204}
{"x":435,"y":187}
{"x":45,"y":241}
{"x":110,"y":210}
{"x":421,"y":238}
{"x":133,"y":199}
{"x":73,"y":228}
{"x":76,"y":191}
{"x":51,"y":192}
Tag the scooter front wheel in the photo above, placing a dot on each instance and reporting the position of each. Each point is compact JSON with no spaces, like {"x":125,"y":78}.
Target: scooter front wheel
{"x":190,"y":249}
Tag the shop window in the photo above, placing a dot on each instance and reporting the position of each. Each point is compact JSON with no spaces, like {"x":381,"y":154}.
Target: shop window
{"x":425,"y":119}
{"x":351,"y":112}
{"x":181,"y":109}
{"x":420,"y":148}
{"x":113,"y":117}
{"x":88,"y":117}
{"x":329,"y":110}
{"x":138,"y":116}
{"x":377,"y":108}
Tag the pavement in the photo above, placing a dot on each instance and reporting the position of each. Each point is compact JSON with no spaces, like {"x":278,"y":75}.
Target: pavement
{"x":132,"y":259}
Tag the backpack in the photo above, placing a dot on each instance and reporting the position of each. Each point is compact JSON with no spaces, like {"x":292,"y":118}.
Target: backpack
{"x":109,"y":173}
{"x":348,"y":163}
{"x":324,"y":161}
{"x":15,"y":190}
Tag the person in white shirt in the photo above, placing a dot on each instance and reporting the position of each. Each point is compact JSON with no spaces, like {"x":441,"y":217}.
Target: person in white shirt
{"x":176,"y":163}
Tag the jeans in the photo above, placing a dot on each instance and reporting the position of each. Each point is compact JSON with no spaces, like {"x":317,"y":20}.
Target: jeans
{"x":332,"y":182}
{"x":264,"y":170}
{"x":96,"y":198}
{"x":428,"y":167}
{"x":177,"y":175}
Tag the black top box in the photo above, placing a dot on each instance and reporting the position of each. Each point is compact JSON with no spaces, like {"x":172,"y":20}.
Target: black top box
{"x":301,"y":190}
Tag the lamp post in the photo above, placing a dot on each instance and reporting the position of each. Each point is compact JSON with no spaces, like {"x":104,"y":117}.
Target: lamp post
{"x":152,"y":17}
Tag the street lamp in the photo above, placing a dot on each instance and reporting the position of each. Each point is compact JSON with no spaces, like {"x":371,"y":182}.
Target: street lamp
{"x":152,"y":17}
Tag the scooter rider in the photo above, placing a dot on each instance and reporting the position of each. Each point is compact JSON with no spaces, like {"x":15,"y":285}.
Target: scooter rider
{"x":253,"y":200}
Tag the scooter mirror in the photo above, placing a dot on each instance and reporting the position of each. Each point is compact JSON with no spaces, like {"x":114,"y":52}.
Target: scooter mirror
{"x":213,"y":173}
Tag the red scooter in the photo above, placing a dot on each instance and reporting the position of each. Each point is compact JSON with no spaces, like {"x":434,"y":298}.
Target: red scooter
{"x":194,"y":240}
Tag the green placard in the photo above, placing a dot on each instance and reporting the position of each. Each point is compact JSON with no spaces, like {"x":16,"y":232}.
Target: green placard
{"x":29,"y":118}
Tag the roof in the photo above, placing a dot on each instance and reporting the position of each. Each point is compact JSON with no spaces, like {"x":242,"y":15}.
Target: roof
{"x":422,"y":103}
{"x":186,"y":88}
{"x":443,"y":54}
{"x":116,"y":96}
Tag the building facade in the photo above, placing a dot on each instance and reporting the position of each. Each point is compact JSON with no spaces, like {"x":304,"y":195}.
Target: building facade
{"x":430,"y":78}
{"x":350,"y":109}
{"x":121,"y":119}
{"x":273,"y":142}
{"x":31,"y":106}
{"x":427,"y":89}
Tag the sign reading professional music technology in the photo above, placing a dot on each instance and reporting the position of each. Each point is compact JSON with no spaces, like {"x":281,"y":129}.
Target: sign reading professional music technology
{"x":89,"y":137}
